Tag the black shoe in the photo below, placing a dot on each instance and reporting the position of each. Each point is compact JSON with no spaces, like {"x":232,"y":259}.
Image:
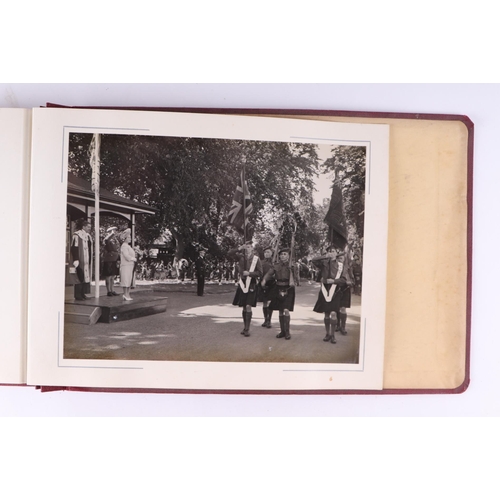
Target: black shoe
{"x":110,"y":294}
{"x":246,"y":333}
{"x":327,"y":338}
{"x":264,"y":324}
{"x":86,"y":297}
{"x":114,"y":294}
{"x":280,"y":335}
{"x":287,"y":336}
{"x":269,"y":325}
{"x":332,"y":340}
{"x":343,"y":331}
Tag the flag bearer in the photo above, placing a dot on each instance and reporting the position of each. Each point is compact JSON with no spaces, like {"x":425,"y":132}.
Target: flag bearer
{"x":283,"y":293}
{"x":333,"y":286}
{"x":250,"y":270}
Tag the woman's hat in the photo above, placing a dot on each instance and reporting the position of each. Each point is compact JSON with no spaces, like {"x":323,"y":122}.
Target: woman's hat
{"x":112,"y":228}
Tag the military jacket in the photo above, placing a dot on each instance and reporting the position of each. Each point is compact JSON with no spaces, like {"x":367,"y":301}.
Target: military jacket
{"x":281,"y":272}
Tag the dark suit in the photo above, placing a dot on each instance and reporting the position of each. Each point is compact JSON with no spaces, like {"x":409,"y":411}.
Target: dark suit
{"x":200,"y":266}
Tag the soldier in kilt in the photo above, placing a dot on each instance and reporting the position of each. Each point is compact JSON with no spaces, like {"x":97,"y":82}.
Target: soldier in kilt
{"x":250,"y":271}
{"x":283,"y":293}
{"x":264,"y":291}
{"x":345,"y":299}
{"x":334,"y":293}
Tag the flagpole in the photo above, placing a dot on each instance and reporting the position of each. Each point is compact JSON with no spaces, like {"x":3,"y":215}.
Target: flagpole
{"x":244,"y":204}
{"x":95,"y":154}
{"x":243,"y":182}
{"x":97,"y":223}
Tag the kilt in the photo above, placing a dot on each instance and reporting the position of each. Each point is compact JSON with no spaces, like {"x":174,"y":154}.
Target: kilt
{"x":280,"y":302}
{"x":345,"y":300}
{"x":111,"y":268}
{"x":246,"y":299}
{"x":338,"y":300}
{"x":265,"y":293}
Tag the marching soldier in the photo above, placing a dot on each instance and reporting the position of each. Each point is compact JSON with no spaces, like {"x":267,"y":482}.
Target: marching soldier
{"x":331,"y":295}
{"x":283,"y":293}
{"x":345,"y":299}
{"x":265,"y":290}
{"x":249,"y":268}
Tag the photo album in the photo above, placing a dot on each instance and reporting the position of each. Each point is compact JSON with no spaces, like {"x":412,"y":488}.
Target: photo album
{"x":235,"y":250}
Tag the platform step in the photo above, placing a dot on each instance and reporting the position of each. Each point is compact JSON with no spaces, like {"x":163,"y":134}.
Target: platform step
{"x":133,"y":309}
{"x":83,"y":315}
{"x":113,"y":309}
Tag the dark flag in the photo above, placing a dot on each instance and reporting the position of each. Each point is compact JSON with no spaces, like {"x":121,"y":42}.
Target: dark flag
{"x":335,"y":219}
{"x":236,"y":217}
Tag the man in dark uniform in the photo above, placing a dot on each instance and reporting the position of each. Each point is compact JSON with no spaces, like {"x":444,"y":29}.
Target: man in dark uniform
{"x":249,"y":268}
{"x":333,"y":286}
{"x":357,"y":272}
{"x":264,"y":291}
{"x":110,"y":258}
{"x":200,"y":265}
{"x":283,"y":293}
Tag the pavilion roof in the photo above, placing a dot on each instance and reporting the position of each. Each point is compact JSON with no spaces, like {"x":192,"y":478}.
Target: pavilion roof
{"x":80,"y":191}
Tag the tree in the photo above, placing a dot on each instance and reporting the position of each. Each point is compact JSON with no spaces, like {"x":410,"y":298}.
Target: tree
{"x":349,"y":165}
{"x":191,"y":181}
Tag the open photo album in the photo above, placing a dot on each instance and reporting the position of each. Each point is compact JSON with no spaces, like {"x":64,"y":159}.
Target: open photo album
{"x":259,"y":251}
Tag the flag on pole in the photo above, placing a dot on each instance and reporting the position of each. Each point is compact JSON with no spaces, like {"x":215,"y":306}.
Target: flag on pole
{"x":94,"y":152}
{"x":335,"y":219}
{"x":238,"y":217}
{"x":95,"y":163}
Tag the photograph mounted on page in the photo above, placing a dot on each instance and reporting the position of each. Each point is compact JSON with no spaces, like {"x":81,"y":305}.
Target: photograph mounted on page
{"x":212,"y":252}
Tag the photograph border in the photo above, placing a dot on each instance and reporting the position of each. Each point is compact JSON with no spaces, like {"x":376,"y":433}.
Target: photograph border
{"x":34,"y":365}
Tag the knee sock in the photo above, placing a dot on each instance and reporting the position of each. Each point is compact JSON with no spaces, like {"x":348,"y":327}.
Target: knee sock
{"x":342,"y":320}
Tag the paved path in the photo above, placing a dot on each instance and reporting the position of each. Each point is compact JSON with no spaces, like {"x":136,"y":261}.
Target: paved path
{"x":208,"y":329}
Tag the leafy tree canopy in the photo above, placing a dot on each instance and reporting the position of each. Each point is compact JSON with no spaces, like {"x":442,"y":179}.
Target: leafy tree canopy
{"x":191,"y":182}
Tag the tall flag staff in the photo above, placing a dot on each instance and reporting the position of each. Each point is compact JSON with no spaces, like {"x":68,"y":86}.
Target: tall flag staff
{"x":95,"y":147}
{"x":335,"y":219}
{"x":244,"y":184}
{"x":292,"y":252}
{"x":241,"y":207}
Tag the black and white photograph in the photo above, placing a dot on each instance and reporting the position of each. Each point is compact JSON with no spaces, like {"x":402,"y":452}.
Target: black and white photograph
{"x":200,"y":251}
{"x":213,"y":249}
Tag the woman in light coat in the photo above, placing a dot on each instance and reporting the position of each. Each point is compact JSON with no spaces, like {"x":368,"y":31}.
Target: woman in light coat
{"x":127,"y":263}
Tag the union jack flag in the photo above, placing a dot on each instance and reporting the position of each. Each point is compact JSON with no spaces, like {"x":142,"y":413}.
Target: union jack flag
{"x":236,"y":217}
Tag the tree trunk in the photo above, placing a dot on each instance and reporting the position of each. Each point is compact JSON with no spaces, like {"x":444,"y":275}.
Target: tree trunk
{"x":179,"y":244}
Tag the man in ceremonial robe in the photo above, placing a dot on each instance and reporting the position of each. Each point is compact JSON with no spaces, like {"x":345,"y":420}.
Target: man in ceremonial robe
{"x":81,"y":252}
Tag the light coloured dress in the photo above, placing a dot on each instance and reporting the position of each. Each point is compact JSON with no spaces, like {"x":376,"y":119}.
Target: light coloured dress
{"x":127,"y":263}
